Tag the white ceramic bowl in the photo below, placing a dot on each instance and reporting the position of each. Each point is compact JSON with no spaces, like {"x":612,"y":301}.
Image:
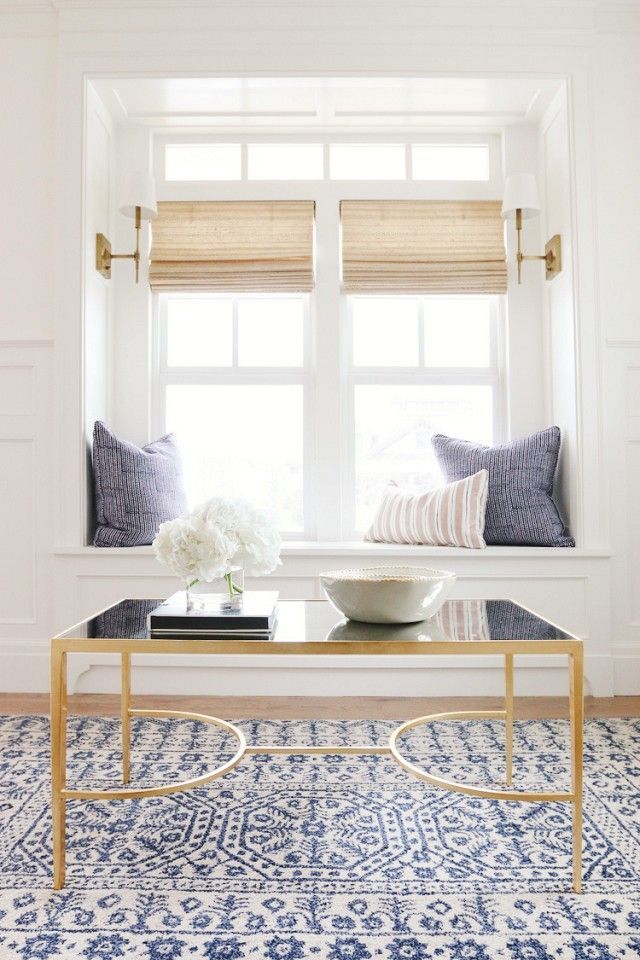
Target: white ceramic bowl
{"x":388,"y":594}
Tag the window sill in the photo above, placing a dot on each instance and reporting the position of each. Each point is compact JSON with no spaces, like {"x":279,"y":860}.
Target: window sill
{"x":358,"y":548}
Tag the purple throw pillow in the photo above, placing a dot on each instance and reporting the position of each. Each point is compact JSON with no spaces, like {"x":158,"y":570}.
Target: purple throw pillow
{"x":520,"y":509}
{"x":136,"y":488}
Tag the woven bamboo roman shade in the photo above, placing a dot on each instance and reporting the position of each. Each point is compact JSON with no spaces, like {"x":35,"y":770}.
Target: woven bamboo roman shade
{"x":254,"y":246}
{"x":423,"y":246}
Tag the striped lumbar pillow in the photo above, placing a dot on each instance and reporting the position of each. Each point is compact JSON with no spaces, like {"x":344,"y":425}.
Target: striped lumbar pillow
{"x":450,"y":516}
{"x":464,"y":620}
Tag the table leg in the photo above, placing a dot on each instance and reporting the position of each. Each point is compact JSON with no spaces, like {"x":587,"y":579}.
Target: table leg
{"x":125,"y":715}
{"x":576,"y":708}
{"x":58,"y":761}
{"x":508,"y":715}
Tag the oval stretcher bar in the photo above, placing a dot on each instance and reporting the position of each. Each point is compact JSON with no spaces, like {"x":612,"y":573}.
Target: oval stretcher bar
{"x":180,"y":785}
{"x":522,"y":796}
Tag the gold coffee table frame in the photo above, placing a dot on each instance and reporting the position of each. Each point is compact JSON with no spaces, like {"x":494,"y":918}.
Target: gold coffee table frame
{"x":62,"y":645}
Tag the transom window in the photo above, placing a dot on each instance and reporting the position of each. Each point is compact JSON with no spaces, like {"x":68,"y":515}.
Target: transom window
{"x":333,"y":161}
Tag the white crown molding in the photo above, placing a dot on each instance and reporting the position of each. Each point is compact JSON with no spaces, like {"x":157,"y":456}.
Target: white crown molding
{"x":621,"y":18}
{"x":566,"y":17}
{"x":524,"y":5}
{"x":28,"y":19}
{"x":26,"y":6}
{"x":601,"y":9}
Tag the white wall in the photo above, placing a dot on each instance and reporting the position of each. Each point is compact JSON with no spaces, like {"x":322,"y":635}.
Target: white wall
{"x":559,"y":310}
{"x":616,"y":84}
{"x":528,"y":411}
{"x":27,"y":172}
{"x":45,"y":57}
{"x":99,"y":177}
{"x":27,"y":322}
{"x":130,"y":376}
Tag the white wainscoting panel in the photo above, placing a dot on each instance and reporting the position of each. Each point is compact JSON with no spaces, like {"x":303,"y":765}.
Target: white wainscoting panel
{"x":557,"y":583}
{"x":622,"y":374}
{"x":16,"y":390}
{"x":17,"y":561}
{"x":25,"y":498}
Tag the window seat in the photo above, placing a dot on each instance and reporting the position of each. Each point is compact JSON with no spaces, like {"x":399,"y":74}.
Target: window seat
{"x":359,"y":548}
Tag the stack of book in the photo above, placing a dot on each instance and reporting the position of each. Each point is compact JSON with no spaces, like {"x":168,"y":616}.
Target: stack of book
{"x":257,"y":618}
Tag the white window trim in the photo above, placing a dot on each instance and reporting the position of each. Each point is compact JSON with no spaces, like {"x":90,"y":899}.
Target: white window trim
{"x":490,"y":189}
{"x":165,"y":375}
{"x":493,"y":376}
{"x":328,"y":443}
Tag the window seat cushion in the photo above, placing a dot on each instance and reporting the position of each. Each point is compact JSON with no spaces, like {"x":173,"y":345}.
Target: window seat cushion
{"x":359,"y":550}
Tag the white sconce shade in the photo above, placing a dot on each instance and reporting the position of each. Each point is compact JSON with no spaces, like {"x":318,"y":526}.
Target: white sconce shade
{"x":520,"y":193}
{"x":521,"y":202}
{"x":139,"y":191}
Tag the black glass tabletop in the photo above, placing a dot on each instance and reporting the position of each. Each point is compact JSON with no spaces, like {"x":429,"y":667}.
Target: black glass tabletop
{"x":315,"y":621}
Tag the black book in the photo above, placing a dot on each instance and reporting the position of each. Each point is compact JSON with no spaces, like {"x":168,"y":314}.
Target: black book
{"x":256,"y":618}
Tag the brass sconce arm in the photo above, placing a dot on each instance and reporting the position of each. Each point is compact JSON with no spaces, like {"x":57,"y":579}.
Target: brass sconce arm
{"x":552,"y":255}
{"x":104,"y":256}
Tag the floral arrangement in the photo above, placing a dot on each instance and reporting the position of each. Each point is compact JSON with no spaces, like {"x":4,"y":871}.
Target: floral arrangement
{"x":216,"y":538}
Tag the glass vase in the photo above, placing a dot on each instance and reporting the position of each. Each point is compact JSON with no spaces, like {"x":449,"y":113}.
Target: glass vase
{"x":224,"y":595}
{"x":230,"y":590}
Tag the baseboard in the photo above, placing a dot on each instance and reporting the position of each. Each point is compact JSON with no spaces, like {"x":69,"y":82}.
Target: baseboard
{"x":24,"y":666}
{"x":626,"y":671}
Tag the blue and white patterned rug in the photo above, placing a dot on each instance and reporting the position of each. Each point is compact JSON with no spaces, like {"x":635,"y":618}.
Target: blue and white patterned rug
{"x":336,"y":857}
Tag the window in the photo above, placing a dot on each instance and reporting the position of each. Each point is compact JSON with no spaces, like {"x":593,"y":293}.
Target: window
{"x":367,"y":161}
{"x":233,"y":386}
{"x":460,"y":161}
{"x":202,"y":161}
{"x":285,"y":161}
{"x":199,"y":333}
{"x":309,"y":403}
{"x":420,"y":365}
{"x":211,"y":162}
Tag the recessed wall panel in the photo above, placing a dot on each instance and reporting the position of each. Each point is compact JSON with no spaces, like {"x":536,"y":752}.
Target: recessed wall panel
{"x":17,"y":556}
{"x":16,"y":390}
{"x":632,"y":392}
{"x":633,"y":528}
{"x":562,"y":600}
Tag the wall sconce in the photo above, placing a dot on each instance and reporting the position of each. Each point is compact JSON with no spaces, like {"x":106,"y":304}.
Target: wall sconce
{"x":521,"y":202}
{"x":140,"y":203}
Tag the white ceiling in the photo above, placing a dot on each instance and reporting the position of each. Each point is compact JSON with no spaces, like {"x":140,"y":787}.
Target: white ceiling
{"x":309,"y":103}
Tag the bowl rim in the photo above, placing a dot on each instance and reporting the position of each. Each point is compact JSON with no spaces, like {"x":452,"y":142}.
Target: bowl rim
{"x":413,"y":574}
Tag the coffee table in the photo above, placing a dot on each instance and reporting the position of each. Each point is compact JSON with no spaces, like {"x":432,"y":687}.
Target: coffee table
{"x":312,"y":628}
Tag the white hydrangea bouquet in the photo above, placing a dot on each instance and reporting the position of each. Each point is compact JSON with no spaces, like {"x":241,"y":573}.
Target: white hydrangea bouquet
{"x":219,"y":540}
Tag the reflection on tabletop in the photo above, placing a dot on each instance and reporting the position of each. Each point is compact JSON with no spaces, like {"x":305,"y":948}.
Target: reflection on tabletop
{"x":126,"y":619}
{"x":302,"y":621}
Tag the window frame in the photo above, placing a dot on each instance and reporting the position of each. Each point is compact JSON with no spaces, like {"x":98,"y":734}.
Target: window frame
{"x":329,"y":440}
{"x":165,"y":376}
{"x":489,"y":189}
{"x":493,"y":376}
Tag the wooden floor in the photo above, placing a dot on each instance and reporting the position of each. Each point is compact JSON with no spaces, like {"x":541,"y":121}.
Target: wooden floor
{"x":392,"y":708}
